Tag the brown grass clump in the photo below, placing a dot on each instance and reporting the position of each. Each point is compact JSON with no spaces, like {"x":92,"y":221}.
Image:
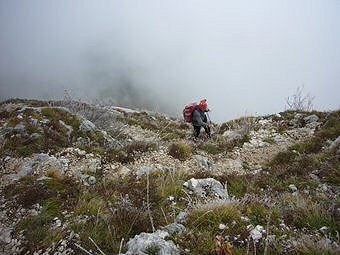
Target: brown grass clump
{"x":181,"y":151}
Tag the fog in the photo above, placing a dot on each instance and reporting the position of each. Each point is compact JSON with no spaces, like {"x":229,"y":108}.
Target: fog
{"x":245,"y":57}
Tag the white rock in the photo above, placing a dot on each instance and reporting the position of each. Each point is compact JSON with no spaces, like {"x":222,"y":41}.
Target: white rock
{"x":293,"y":188}
{"x":181,"y":217}
{"x":256,"y":233}
{"x":87,"y":125}
{"x":324,"y":229}
{"x":245,"y":219}
{"x":222,"y":226}
{"x":123,"y":171}
{"x":231,"y":135}
{"x":6,"y":234}
{"x":250,"y":227}
{"x":140,"y":243}
{"x":335,"y":143}
{"x":207,"y":185}
{"x":311,"y":118}
{"x":91,"y":180}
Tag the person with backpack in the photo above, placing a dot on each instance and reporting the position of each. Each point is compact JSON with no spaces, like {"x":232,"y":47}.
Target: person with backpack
{"x":196,"y":114}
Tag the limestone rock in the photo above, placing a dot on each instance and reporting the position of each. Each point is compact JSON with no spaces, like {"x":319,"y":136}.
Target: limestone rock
{"x":208,"y":187}
{"x":87,"y":125}
{"x":311,"y":118}
{"x":144,"y":241}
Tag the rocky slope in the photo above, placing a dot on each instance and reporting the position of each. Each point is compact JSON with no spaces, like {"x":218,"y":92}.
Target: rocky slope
{"x":85,"y":179}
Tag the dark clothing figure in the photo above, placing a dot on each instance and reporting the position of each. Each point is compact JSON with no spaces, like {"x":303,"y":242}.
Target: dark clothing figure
{"x":199,"y":120}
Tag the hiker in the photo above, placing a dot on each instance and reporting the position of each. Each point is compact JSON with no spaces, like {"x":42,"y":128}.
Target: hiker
{"x":196,"y":115}
{"x":199,"y":118}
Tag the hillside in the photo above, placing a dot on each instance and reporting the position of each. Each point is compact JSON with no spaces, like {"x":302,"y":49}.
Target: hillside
{"x":78,"y":178}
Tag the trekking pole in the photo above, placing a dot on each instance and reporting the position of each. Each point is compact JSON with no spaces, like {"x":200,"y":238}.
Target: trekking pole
{"x":209,"y":120}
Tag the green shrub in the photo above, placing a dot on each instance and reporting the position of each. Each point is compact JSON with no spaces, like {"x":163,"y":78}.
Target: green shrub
{"x":238,"y":186}
{"x":181,"y":151}
{"x":303,"y":212}
{"x":192,"y":242}
{"x":208,"y":218}
{"x":283,"y":157}
{"x":315,"y":245}
{"x":37,"y":229}
{"x":211,"y":148}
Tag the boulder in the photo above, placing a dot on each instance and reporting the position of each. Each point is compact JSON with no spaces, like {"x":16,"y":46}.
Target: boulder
{"x":20,"y":127}
{"x":6,"y":234}
{"x":87,"y":125}
{"x":142,"y":243}
{"x":311,"y":118}
{"x":232,"y":135}
{"x":123,"y":171}
{"x":26,"y":169}
{"x":335,"y":144}
{"x":208,"y":187}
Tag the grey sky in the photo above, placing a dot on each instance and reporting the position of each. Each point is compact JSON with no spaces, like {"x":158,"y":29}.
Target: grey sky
{"x":243,"y":56}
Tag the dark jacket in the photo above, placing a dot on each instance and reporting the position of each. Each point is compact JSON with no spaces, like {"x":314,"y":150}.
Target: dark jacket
{"x":199,"y":119}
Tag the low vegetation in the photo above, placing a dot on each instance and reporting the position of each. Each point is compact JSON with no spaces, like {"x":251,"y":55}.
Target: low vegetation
{"x":41,"y":129}
{"x":113,"y":210}
{"x":130,"y":152}
{"x":180,"y":150}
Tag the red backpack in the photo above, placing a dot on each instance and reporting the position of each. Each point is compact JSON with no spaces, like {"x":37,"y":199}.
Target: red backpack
{"x":187,"y":111}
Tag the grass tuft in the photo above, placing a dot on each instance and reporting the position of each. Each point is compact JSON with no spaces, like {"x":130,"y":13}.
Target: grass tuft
{"x":180,"y":150}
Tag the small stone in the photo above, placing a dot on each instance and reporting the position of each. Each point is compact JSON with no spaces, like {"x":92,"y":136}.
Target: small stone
{"x":293,"y":188}
{"x":91,"y":180}
{"x":256,"y":233}
{"x":324,"y":229}
{"x":323,"y":187}
{"x":181,"y":217}
{"x":314,"y":177}
{"x":222,"y":226}
{"x":250,"y":227}
{"x":58,"y":223}
{"x":311,"y":118}
{"x":245,"y":219}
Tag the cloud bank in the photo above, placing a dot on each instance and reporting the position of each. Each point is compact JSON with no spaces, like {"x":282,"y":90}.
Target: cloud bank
{"x":243,"y":56}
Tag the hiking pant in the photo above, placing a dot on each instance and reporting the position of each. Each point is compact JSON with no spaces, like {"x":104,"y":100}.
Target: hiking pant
{"x":197,"y":130}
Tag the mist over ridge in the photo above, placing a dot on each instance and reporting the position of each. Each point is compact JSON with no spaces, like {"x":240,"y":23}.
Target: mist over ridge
{"x":244,"y":56}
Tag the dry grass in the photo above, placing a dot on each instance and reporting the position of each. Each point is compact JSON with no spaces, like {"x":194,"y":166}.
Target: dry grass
{"x":181,"y":151}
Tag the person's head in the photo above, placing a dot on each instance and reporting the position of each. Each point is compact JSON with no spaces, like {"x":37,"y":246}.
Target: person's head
{"x":203,"y":105}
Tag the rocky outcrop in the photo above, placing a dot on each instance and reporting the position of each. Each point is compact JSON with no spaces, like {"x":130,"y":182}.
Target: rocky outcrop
{"x":207,"y":188}
{"x":144,"y":243}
